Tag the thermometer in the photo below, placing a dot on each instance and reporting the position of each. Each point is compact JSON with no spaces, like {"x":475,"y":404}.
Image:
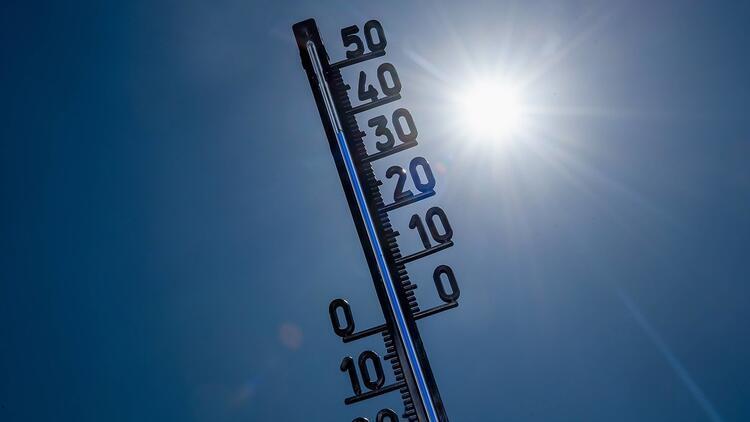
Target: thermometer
{"x":404,"y":348}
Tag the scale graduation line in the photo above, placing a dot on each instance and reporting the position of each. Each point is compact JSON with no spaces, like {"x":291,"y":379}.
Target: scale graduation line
{"x":374,"y":242}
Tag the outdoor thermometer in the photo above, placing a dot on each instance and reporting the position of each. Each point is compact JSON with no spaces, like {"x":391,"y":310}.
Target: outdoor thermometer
{"x":395,"y":132}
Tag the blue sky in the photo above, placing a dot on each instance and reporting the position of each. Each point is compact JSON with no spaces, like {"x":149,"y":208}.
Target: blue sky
{"x":173,"y":225}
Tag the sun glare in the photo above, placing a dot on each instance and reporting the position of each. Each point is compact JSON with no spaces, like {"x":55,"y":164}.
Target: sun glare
{"x":491,"y":109}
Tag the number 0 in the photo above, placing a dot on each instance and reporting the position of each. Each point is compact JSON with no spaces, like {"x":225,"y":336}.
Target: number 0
{"x":437,"y":277}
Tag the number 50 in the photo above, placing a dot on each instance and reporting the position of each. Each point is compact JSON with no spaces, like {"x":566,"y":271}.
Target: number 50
{"x":349,"y":37}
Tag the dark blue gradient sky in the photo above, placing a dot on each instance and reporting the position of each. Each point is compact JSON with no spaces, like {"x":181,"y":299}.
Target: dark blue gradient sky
{"x":173,"y":227}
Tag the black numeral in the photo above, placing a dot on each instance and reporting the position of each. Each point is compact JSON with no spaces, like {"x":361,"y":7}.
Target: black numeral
{"x":386,"y":413}
{"x":383,"y":415}
{"x":366,"y":91}
{"x":380,"y":45}
{"x":437,"y":277}
{"x":347,"y":365}
{"x":349,"y":36}
{"x":398,"y":114}
{"x":388,"y":68}
{"x":381,"y":129}
{"x":416,"y":223}
{"x":421,"y":185}
{"x":366,"y":378}
{"x":380,"y":123}
{"x":399,"y":192}
{"x":333,"y":308}
{"x":369,"y":92}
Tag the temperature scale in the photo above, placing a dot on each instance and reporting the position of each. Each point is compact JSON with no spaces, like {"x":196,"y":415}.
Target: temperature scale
{"x":388,"y":267}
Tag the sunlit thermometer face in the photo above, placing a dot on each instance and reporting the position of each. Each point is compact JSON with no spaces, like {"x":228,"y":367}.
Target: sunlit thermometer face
{"x":395,"y":132}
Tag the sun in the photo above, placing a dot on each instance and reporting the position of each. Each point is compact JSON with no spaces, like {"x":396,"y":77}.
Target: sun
{"x":491,"y":109}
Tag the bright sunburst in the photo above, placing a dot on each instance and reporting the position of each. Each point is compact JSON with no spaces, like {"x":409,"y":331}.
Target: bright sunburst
{"x":491,"y":109}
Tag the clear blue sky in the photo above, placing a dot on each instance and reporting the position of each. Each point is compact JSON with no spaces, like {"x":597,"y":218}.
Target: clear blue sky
{"x":173,"y":227}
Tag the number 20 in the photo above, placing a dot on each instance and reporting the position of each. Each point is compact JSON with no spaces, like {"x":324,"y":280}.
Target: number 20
{"x":421,"y":185}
